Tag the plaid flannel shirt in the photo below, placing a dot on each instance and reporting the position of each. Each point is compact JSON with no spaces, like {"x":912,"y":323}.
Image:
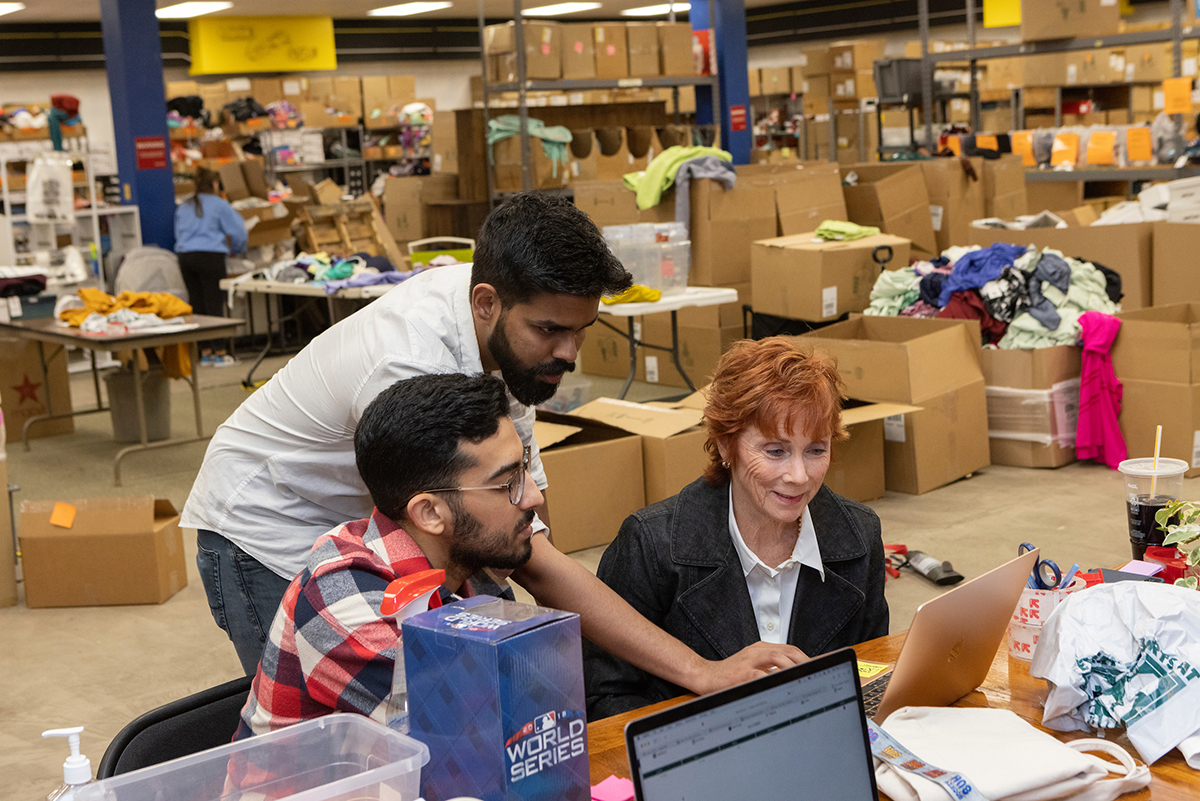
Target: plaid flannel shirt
{"x":329,"y":649}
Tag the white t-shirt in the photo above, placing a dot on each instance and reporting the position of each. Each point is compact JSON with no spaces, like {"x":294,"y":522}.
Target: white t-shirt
{"x":280,"y":471}
{"x":773,"y":589}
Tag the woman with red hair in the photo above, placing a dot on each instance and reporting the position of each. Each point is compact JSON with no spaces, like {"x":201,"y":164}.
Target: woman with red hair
{"x":758,"y":548}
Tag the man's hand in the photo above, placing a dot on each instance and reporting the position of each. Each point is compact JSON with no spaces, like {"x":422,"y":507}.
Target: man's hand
{"x":752,"y":662}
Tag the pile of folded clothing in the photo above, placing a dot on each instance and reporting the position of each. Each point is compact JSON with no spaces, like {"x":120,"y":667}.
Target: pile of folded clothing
{"x":1022,"y":298}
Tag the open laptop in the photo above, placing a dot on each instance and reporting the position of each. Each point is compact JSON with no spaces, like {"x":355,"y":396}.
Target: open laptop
{"x":952,"y":641}
{"x":795,"y":734}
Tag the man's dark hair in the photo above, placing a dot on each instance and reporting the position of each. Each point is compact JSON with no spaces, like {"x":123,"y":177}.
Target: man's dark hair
{"x":540,"y":244}
{"x":407,"y":440}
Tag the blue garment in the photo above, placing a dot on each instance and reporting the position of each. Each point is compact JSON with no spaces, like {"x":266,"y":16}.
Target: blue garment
{"x":207,"y":234}
{"x":978,"y":267}
{"x":1053,"y":269}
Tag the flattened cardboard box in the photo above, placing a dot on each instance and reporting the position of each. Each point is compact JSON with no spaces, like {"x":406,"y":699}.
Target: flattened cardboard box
{"x":1125,"y":248}
{"x":1159,"y":344}
{"x":118,"y":551}
{"x":595,"y":478}
{"x":806,"y":278}
{"x":672,"y":441}
{"x":1034,"y":370}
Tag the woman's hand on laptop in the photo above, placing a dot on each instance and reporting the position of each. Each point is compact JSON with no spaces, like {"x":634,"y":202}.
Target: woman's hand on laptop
{"x":752,"y":662}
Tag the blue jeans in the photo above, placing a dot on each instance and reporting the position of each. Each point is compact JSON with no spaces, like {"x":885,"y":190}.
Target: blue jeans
{"x":243,"y":594}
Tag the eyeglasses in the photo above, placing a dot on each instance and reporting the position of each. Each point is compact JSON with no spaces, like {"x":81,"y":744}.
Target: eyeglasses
{"x":515,"y":484}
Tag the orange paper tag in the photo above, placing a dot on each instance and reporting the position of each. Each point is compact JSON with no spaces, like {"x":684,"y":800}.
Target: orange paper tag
{"x":63,"y":515}
{"x":1022,"y":144}
{"x":1177,"y":95}
{"x":955,"y":145}
{"x":986,"y":142}
{"x":1101,"y":145}
{"x":1138,"y":144}
{"x":1065,"y":150}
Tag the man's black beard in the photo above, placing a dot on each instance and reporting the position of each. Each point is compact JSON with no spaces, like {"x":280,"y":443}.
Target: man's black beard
{"x":471,"y":548}
{"x":523,"y":381}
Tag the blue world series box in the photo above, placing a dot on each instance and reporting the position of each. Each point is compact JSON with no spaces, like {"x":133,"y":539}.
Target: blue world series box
{"x":495,"y":689}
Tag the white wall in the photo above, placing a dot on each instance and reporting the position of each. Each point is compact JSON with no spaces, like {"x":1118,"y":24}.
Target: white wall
{"x":90,"y":86}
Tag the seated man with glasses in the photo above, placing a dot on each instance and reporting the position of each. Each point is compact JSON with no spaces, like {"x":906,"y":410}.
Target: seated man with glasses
{"x":450,"y":481}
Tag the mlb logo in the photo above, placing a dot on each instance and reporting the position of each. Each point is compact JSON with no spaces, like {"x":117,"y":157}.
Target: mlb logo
{"x":545,"y":722}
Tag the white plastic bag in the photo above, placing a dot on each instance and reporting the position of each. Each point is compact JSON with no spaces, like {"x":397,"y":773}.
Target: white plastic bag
{"x":1126,"y":654}
{"x":50,"y":194}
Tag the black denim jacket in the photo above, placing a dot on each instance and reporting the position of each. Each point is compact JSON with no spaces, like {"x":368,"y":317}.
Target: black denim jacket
{"x":676,"y":564}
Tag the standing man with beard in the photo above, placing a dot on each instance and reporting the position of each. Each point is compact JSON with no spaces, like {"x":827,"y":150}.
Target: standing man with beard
{"x":280,"y":471}
{"x":449,"y":478}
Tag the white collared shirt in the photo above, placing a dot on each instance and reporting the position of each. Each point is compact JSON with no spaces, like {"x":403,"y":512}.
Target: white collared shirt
{"x":773,"y":589}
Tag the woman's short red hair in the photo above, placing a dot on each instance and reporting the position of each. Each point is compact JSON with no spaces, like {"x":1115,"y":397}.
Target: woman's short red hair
{"x":773,"y":385}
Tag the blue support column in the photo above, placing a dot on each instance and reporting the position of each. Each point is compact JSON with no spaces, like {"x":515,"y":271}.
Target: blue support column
{"x":133,"y":61}
{"x":731,"y":74}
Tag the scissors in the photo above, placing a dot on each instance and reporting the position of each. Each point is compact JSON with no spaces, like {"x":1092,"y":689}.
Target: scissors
{"x":1045,"y":575}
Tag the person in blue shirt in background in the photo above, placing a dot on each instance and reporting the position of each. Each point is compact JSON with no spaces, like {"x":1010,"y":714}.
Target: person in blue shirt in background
{"x":207,"y":229}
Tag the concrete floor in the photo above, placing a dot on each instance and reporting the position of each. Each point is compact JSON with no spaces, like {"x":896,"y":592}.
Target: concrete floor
{"x":102,"y":666}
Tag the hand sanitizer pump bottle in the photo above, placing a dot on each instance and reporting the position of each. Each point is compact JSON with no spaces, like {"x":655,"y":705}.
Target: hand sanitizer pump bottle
{"x":77,"y":769}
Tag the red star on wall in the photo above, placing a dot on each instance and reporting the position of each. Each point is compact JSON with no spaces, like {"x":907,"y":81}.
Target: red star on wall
{"x":26,"y":391}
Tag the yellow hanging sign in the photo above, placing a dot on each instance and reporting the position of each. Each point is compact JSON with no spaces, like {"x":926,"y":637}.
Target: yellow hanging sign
{"x":222,"y":45}
{"x":1001,"y":13}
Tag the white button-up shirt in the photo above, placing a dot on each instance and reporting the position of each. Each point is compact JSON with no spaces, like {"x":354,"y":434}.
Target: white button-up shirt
{"x":773,"y":589}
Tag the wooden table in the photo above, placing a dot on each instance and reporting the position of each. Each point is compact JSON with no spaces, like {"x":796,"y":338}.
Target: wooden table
{"x":49,"y":331}
{"x":1008,"y":686}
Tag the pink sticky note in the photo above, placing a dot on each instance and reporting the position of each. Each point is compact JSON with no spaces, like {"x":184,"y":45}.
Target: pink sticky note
{"x":613,"y":789}
{"x":1142,"y":568}
{"x":579,"y":47}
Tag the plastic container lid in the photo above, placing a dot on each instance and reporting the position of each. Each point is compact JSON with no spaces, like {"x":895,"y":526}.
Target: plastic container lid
{"x":329,"y":757}
{"x":1145,"y":467}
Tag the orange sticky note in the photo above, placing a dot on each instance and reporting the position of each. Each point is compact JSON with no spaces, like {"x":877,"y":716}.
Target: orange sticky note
{"x":1022,"y":144}
{"x":1101,"y":145}
{"x":1138,"y":144}
{"x":954,"y":144}
{"x":986,"y":142}
{"x":63,"y":515}
{"x":1065,"y":150}
{"x":1177,"y":95}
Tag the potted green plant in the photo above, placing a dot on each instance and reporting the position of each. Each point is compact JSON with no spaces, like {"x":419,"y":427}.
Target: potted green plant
{"x":1181,"y":522}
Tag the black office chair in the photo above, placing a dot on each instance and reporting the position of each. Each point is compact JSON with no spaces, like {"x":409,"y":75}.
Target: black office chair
{"x":201,"y":721}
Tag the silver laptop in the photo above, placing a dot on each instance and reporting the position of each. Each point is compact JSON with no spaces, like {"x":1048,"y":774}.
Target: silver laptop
{"x":796,"y":734}
{"x":952,"y":642}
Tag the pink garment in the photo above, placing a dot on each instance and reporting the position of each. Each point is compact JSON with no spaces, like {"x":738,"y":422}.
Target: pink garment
{"x":1097,"y":435}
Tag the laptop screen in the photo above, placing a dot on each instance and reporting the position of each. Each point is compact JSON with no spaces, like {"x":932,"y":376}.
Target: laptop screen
{"x":802,"y":735}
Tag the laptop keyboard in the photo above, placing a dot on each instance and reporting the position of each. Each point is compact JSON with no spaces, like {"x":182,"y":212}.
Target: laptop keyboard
{"x":873,"y":693}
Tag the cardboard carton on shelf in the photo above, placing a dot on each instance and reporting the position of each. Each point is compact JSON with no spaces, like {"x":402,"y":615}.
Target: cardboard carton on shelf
{"x":641,"y":40}
{"x":675,"y":49}
{"x":754,"y":81}
{"x":578,"y":52}
{"x":1075,"y":20}
{"x":543,"y":47}
{"x":108,"y":551}
{"x":612,"y":51}
{"x":1033,"y":403}
{"x":856,"y":55}
{"x":589,"y":503}
{"x":775,"y":81}
{"x":805,"y":278}
{"x":1124,"y":248}
{"x":933,"y":364}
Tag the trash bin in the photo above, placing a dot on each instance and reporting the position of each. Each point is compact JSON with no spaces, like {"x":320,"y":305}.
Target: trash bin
{"x":122,"y":402}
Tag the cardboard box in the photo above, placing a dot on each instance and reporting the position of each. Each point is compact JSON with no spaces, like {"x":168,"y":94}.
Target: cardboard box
{"x":23,"y":391}
{"x":1033,"y":405}
{"x":1159,"y":344}
{"x":444,"y":142}
{"x":955,"y":198}
{"x":675,"y":49}
{"x":543,"y":46}
{"x":724,"y":222}
{"x":588,"y":504}
{"x":493,"y":730}
{"x":578,"y":52}
{"x":857,"y":55}
{"x":895,"y":199}
{"x":805,"y":278}
{"x":402,"y":209}
{"x":1175,"y":406}
{"x":776,"y":80}
{"x":1066,"y":19}
{"x":848,"y":85}
{"x":856,"y":469}
{"x":721,"y":316}
{"x":933,"y":364}
{"x":642,"y":46}
{"x":1123,"y":248}
{"x":610,"y":203}
{"x":1174,"y":275}
{"x":544,"y":173}
{"x":673,"y":453}
{"x":754,"y":81}
{"x":8,"y":572}
{"x":1004,"y":187}
{"x":816,"y":61}
{"x":116,"y":551}
{"x":605,"y":352}
{"x":612,"y":54}
{"x":807,"y":197}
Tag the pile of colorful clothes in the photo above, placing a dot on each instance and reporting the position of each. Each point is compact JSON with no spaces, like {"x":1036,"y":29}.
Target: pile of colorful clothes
{"x":1022,"y":298}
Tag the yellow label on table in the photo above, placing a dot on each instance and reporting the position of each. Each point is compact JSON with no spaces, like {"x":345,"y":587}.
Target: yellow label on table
{"x":260,"y":44}
{"x":869,"y":670}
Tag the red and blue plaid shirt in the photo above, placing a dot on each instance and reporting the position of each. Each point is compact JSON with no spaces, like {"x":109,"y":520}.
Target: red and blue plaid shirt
{"x":330,"y":649}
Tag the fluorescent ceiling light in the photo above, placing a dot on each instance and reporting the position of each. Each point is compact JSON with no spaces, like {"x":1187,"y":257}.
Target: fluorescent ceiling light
{"x":558,"y":9}
{"x":190,"y":9}
{"x":408,"y":9}
{"x":656,"y":11}
{"x":8,"y":8}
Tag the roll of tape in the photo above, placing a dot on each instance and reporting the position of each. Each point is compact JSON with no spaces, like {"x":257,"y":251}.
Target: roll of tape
{"x":1022,"y":640}
{"x":1035,"y":606}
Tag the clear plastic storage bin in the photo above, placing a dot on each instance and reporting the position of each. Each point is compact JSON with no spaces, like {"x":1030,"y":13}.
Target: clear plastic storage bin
{"x":657,"y":255}
{"x":333,"y":758}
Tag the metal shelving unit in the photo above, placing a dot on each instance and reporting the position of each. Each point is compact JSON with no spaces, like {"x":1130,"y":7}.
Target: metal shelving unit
{"x":522,"y":86}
